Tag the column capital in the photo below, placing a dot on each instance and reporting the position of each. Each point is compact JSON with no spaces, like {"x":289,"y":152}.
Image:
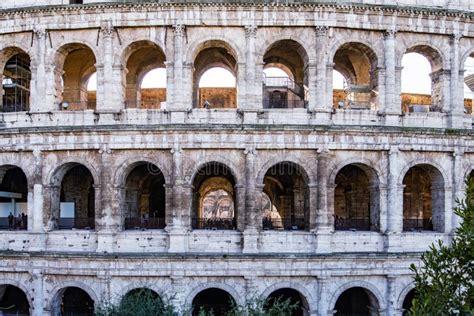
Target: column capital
{"x":250,"y":31}
{"x":321,"y":30}
{"x":107,"y":29}
{"x":40,"y":33}
{"x":389,"y":34}
{"x":179,"y":29}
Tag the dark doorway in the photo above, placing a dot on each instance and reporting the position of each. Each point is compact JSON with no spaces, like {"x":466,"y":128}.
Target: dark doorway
{"x":213,"y":300}
{"x":76,"y":302}
{"x":13,"y":301}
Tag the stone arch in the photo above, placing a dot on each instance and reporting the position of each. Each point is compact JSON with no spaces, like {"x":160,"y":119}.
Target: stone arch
{"x":146,"y":285}
{"x":124,"y":169}
{"x":430,"y":214}
{"x":75,"y":62}
{"x":366,"y":164}
{"x":138,"y":58}
{"x":304,"y":292}
{"x":29,"y":295}
{"x":468,"y":53}
{"x":424,"y":161}
{"x":208,"y":285}
{"x":362,"y":284}
{"x":308,"y":173}
{"x":277,"y":37}
{"x":355,"y":206}
{"x":430,"y":50}
{"x":55,"y":175}
{"x":58,"y":290}
{"x":201,"y":43}
{"x":192,"y":172}
{"x":403,"y":294}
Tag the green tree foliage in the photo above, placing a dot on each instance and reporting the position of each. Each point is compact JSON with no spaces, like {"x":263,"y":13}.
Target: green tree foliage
{"x":444,"y":284}
{"x":139,"y":302}
{"x":264,"y":307}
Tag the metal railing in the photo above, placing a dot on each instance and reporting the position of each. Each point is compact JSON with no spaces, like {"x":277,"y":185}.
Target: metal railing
{"x":214,"y":223}
{"x":412,"y":224}
{"x":284,"y":82}
{"x":144,"y":223}
{"x":14,"y":224}
{"x":352,"y":223}
{"x":284,"y":223}
{"x":76,"y":223}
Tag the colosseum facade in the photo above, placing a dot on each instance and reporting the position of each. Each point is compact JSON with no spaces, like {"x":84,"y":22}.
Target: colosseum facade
{"x":274,"y":186}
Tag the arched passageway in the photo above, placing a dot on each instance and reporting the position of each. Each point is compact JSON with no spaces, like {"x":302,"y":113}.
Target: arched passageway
{"x":214,"y":301}
{"x":215,"y":62}
{"x":423,"y":93}
{"x":145,"y":197}
{"x":16,"y":82}
{"x":142,"y":302}
{"x":408,"y":302}
{"x":76,"y":62}
{"x":423,"y":199}
{"x":13,"y":198}
{"x":73,"y":301}
{"x":356,"y":199}
{"x":294,"y":299}
{"x":289,"y":87}
{"x":357,"y":301}
{"x":145,"y":76}
{"x":13,"y":301}
{"x":214,"y":197}
{"x":469,"y":84}
{"x":357,"y":64}
{"x":285,"y":198}
{"x":73,"y":201}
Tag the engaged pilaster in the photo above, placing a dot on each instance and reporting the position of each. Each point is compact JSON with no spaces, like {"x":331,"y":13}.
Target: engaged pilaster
{"x":38,"y":73}
{"x":321,"y":98}
{"x":390,"y":105}
{"x":252,"y":89}
{"x":456,"y":108}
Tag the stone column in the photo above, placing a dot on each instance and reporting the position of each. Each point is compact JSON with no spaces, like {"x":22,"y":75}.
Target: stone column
{"x":313,"y":207}
{"x":177,"y":226}
{"x":324,"y":219}
{"x":458,"y":180}
{"x":38,"y":73}
{"x":456,"y":108}
{"x":182,"y":98}
{"x":251,"y":288}
{"x":37,"y":216}
{"x":323,"y":295}
{"x":322,"y":102}
{"x":392,"y":308}
{"x":251,"y":85}
{"x":37,"y":283}
{"x":391,"y":106}
{"x":239,"y":207}
{"x":252,"y":199}
{"x":394,"y":207}
{"x":179,"y":290}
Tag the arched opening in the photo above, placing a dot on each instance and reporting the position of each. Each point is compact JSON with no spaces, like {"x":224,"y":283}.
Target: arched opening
{"x":13,"y":198}
{"x":145,"y":76}
{"x":217,"y":89}
{"x":469,"y":85}
{"x":356,"y":199}
{"x":145,"y":197}
{"x":285,"y":198}
{"x":141,"y":301}
{"x":293,"y":297}
{"x":16,"y":82}
{"x":408,"y":302}
{"x":357,"y":64}
{"x":423,"y":199}
{"x":212,"y":301}
{"x":357,"y":301}
{"x":422,"y":80}
{"x":75,"y":64}
{"x":76,"y":198}
{"x":289,"y":87}
{"x":471,"y":176}
{"x":214,"y":198}
{"x":13,"y":301}
{"x":73,"y":301}
{"x":214,"y":77}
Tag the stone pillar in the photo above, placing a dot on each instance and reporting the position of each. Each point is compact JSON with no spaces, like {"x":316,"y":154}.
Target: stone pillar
{"x":109,"y":91}
{"x":38,"y":299}
{"x":182,"y":98}
{"x":321,"y":99}
{"x":251,"y":85}
{"x":323,"y":295}
{"x":383,"y":213}
{"x":458,"y":180}
{"x":176,"y":226}
{"x":392,"y":308}
{"x":38,"y":203}
{"x":456,"y":108}
{"x":251,"y":288}
{"x":324,"y":219}
{"x":239,"y":207}
{"x":391,"y":106}
{"x":394,"y":217}
{"x":252,"y":200}
{"x":313,"y":207}
{"x":178,"y":290}
{"x":38,"y":73}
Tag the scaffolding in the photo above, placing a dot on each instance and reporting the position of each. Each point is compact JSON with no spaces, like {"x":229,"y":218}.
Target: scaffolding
{"x":16,"y":84}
